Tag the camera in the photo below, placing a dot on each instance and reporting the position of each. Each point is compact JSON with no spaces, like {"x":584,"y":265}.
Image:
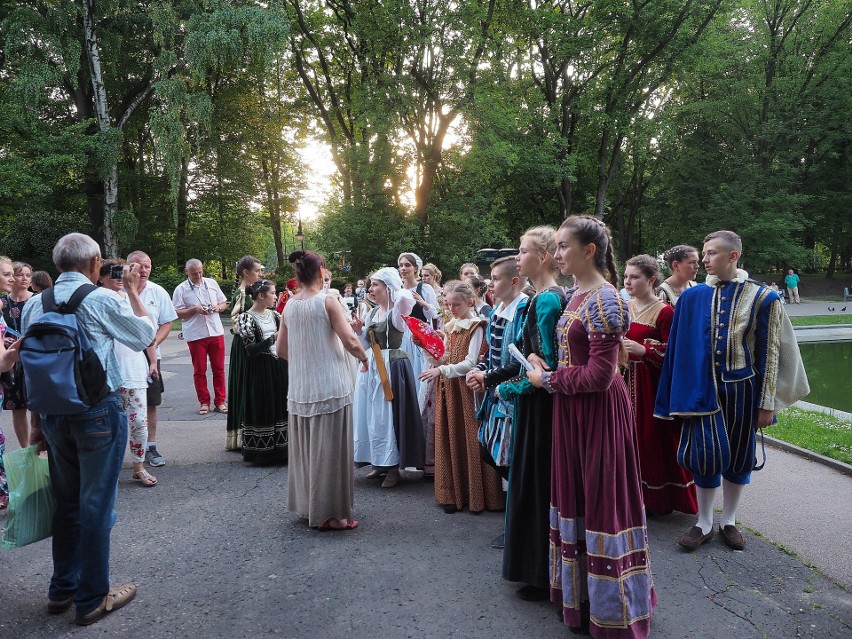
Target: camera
{"x":116,"y":271}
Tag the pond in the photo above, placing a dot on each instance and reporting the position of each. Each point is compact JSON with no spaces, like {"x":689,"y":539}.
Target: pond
{"x":829,"y":369}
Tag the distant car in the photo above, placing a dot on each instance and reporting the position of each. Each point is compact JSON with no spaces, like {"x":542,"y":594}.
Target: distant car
{"x":484,"y":257}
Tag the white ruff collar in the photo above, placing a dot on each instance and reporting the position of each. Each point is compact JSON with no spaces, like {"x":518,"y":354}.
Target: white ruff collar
{"x":713,"y":280}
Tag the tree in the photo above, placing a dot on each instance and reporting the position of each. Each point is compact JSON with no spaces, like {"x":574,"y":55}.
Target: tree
{"x":153,"y":46}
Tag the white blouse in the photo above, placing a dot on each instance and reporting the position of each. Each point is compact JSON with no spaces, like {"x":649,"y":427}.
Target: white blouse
{"x":463,"y":367}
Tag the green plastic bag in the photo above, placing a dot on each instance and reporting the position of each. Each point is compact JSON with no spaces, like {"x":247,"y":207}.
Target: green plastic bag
{"x":31,"y":505}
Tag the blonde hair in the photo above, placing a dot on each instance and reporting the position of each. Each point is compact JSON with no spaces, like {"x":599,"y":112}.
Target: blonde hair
{"x":543,"y":238}
{"x":460,"y":288}
{"x":465,"y":265}
{"x":434,"y":271}
{"x":8,"y":260}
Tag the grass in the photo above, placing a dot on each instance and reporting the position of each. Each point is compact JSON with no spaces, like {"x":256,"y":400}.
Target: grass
{"x":821,"y":433}
{"x":821,"y":320}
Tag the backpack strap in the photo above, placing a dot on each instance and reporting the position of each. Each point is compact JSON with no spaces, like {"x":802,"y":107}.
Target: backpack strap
{"x":70,"y":307}
{"x":48,"y":302}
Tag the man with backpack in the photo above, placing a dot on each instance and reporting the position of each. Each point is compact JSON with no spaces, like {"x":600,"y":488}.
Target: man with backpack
{"x":85,"y":442}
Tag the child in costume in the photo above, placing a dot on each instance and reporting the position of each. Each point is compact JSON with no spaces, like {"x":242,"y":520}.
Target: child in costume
{"x":461,"y":478}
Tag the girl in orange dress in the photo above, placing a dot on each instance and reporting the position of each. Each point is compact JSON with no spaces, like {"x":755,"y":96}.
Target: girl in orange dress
{"x":461,"y":479}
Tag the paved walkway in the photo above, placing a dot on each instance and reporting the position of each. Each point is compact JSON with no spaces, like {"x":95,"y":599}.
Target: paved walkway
{"x":216,"y":554}
{"x":819,"y":308}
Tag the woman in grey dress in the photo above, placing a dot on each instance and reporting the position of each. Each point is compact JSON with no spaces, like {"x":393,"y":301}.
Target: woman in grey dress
{"x":315,"y":337}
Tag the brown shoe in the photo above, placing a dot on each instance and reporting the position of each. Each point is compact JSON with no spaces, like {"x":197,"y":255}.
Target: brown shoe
{"x":114,"y":600}
{"x":392,"y":479}
{"x":693,"y":538}
{"x":57,"y":606}
{"x":732,"y":537}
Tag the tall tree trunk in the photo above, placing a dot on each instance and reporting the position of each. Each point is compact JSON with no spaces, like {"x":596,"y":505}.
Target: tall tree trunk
{"x":431,"y":163}
{"x":110,"y":181}
{"x":94,"y":189}
{"x":182,"y":213}
{"x":273,"y":205}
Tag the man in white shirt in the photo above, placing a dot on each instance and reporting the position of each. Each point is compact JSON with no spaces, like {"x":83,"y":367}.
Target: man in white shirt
{"x":198,"y":302}
{"x":162,"y":313}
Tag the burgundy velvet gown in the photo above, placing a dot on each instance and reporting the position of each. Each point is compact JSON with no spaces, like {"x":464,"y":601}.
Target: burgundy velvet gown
{"x":666,"y":486}
{"x":599,"y":563}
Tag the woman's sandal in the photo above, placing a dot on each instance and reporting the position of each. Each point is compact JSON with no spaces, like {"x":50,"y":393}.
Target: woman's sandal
{"x":203,"y":410}
{"x":145,"y":478}
{"x":222,"y":408}
{"x":351,"y":524}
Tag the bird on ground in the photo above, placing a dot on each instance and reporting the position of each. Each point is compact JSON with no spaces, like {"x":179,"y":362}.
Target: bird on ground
{"x":843,"y":309}
{"x":831,"y":308}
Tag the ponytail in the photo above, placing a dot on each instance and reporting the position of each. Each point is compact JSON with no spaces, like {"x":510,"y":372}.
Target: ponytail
{"x":591,"y":230}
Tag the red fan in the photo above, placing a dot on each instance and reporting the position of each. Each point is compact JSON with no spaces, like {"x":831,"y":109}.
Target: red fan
{"x":428,"y":339}
{"x":285,"y":295}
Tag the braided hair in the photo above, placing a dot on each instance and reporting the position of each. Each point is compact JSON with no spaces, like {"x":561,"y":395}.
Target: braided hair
{"x":244,"y":264}
{"x":678,"y":253}
{"x":258,"y":288}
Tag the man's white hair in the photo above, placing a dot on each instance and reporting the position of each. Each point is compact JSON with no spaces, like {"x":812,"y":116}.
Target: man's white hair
{"x":74,"y":251}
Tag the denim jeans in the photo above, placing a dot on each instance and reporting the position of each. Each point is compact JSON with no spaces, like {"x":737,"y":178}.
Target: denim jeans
{"x":85,"y":452}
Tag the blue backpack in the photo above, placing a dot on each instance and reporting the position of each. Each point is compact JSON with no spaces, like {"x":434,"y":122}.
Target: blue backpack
{"x":63,"y":374}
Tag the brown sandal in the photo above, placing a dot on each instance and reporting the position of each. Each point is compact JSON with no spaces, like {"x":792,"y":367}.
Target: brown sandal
{"x":204,"y":410}
{"x":222,"y":408}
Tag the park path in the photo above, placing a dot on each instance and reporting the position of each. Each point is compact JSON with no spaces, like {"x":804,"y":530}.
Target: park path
{"x":216,"y":554}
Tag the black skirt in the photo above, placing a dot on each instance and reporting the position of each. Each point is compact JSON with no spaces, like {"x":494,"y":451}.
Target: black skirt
{"x":264,"y":427}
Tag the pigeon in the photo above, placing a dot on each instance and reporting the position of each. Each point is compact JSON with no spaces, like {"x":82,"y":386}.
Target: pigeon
{"x":842,"y":309}
{"x":831,"y":308}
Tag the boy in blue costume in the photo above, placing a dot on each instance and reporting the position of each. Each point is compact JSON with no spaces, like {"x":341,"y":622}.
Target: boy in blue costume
{"x":504,"y":328}
{"x":723,"y":375}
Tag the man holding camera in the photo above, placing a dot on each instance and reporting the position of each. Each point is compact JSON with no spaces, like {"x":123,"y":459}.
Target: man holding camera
{"x":198,"y":302}
{"x":162,"y":313}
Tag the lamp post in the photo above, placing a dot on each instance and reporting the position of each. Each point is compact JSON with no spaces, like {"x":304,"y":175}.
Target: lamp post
{"x":300,"y":237}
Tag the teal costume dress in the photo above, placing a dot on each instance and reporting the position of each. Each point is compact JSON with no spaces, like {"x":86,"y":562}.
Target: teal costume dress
{"x":525,"y":556}
{"x":236,"y":378}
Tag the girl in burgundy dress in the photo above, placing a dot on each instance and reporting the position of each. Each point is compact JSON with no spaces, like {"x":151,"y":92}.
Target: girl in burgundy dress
{"x":666,"y":486}
{"x":599,"y":561}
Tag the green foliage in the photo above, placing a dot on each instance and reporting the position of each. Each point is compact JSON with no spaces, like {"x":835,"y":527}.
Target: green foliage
{"x":452,"y":126}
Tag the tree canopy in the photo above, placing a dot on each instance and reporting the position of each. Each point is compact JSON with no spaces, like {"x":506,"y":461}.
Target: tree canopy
{"x":176,"y":127}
